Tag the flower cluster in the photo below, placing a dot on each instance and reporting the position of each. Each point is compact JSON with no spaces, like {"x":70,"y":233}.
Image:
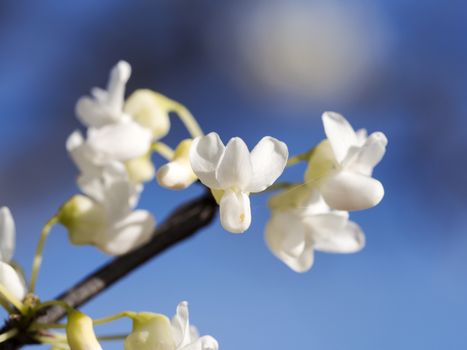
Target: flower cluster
{"x":114,"y":159}
{"x":151,"y":331}
{"x":314,"y":215}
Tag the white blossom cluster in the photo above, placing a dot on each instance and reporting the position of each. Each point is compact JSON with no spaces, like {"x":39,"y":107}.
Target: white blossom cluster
{"x":114,"y":158}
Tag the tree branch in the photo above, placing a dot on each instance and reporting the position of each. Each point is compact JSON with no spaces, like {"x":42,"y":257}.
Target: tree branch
{"x":184,"y":222}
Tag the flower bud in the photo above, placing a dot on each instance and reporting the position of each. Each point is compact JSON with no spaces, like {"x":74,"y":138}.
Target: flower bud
{"x":140,"y":169}
{"x":178,"y":173}
{"x":150,"y":332}
{"x":80,"y":333}
{"x":149,"y":109}
{"x":83,"y":218}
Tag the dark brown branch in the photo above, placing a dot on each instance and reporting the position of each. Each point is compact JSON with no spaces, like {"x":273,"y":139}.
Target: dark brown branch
{"x":181,"y":224}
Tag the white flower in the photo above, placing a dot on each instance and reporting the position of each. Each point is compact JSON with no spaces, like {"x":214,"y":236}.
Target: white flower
{"x":9,"y":277}
{"x":112,"y":134}
{"x":156,"y":332}
{"x":80,"y":333}
{"x":105,"y":106}
{"x":238,"y":173}
{"x":342,"y":165}
{"x":108,"y":145}
{"x":302,"y":222}
{"x":105,"y":217}
{"x":177,"y":174}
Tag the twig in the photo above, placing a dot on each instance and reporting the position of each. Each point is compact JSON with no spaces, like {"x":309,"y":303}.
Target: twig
{"x":180,"y":225}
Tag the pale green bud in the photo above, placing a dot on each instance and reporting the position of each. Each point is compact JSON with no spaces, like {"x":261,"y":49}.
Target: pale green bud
{"x":150,"y":110}
{"x":178,"y":174}
{"x":83,"y":218}
{"x":140,"y":169}
{"x":80,"y":333}
{"x":150,"y":332}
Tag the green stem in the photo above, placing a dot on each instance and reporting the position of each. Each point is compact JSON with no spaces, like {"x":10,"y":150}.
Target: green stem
{"x":164,"y":150}
{"x":280,"y":186}
{"x":36,"y":265}
{"x":8,"y":335}
{"x":5,"y":293}
{"x":108,"y":319}
{"x":56,"y":339}
{"x":187,"y":119}
{"x":112,"y":337}
{"x":301,"y":157}
{"x":6,"y":305}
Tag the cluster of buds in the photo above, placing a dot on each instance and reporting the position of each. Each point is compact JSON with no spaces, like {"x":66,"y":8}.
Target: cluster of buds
{"x":150,"y":331}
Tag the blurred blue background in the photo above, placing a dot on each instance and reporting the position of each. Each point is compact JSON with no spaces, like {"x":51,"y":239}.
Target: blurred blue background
{"x":253,"y":68}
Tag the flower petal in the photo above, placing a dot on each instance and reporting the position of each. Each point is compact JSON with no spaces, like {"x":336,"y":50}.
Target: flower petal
{"x":92,"y":113}
{"x":287,"y":238}
{"x":320,"y":164}
{"x":268,"y":160}
{"x":204,"y":343}
{"x":350,"y":191}
{"x":335,"y":234}
{"x":12,"y":281}
{"x":340,"y":134}
{"x":128,"y":234}
{"x":175,"y":175}
{"x":205,"y":154}
{"x":119,"y":76}
{"x":235,"y":211}
{"x":235,"y":169}
{"x":121,"y":141}
{"x":81,"y":154}
{"x":181,"y":325}
{"x":7,"y":235}
{"x":371,"y":153}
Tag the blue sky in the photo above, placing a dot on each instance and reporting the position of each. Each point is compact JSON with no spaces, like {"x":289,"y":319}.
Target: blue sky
{"x":406,"y":290}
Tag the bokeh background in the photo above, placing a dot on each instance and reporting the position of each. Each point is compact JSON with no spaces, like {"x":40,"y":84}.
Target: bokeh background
{"x":251,"y":68}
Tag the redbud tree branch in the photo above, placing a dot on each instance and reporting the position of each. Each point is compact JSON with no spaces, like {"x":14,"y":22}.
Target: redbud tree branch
{"x":183,"y":223}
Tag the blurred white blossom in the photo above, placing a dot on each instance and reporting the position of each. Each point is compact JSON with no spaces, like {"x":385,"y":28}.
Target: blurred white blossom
{"x":105,"y":217}
{"x":113,"y":135}
{"x":11,"y":279}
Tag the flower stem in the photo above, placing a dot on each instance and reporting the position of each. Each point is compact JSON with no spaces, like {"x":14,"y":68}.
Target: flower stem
{"x":5,"y":293}
{"x":187,"y":119}
{"x":8,"y":335}
{"x":112,"y":337}
{"x":108,"y":319}
{"x":5,"y":305}
{"x":58,"y":340}
{"x":280,"y":186}
{"x":301,"y":157}
{"x":164,"y":150}
{"x":39,"y":251}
